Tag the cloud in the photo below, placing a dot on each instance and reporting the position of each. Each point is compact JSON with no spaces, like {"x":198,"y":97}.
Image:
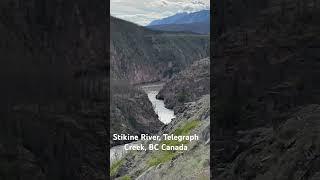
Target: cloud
{"x":144,"y":11}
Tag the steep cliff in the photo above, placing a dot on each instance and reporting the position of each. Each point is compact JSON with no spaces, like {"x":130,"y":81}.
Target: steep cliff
{"x":54,"y":87}
{"x":187,"y":86}
{"x":265,"y":67}
{"x":140,"y":55}
{"x":131,"y":112}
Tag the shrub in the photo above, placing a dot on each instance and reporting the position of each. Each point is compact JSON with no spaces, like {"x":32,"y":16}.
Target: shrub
{"x":186,"y":128}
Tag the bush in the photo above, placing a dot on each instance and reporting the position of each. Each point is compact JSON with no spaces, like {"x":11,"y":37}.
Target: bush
{"x":186,"y":128}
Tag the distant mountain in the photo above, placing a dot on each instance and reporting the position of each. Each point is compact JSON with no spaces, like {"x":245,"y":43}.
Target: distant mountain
{"x":198,"y":27}
{"x":184,"y":18}
{"x":197,"y":22}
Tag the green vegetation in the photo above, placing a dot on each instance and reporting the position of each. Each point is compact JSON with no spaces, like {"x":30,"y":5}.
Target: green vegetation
{"x":126,"y":177}
{"x":165,"y":156}
{"x":186,"y":128}
{"x":161,"y":157}
{"x":173,"y":142}
{"x":115,"y":167}
{"x":183,"y":131}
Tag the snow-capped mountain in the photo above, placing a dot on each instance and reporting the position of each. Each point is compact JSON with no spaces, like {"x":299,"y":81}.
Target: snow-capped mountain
{"x":197,"y":22}
{"x":184,"y":18}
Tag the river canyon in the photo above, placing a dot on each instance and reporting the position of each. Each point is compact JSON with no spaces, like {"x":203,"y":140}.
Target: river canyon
{"x":165,"y":115}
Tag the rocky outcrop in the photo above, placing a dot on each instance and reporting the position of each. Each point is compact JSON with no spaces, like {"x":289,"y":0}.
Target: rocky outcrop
{"x":187,"y":86}
{"x":264,"y":68}
{"x":193,"y":163}
{"x":140,"y":55}
{"x":131,"y":112}
{"x":54,"y":87}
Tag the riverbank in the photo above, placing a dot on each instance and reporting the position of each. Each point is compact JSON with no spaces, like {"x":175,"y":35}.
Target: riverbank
{"x":164,"y":115}
{"x":131,"y":112}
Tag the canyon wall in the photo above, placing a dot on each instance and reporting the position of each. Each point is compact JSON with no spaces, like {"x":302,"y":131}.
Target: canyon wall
{"x":131,"y":112}
{"x":140,"y":55}
{"x":187,"y":86}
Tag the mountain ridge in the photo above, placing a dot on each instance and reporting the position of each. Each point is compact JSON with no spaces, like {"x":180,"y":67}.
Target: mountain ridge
{"x":183,"y":18}
{"x":196,"y":22}
{"x":141,"y":55}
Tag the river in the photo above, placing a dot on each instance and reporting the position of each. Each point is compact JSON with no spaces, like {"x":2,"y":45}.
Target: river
{"x":165,"y":115}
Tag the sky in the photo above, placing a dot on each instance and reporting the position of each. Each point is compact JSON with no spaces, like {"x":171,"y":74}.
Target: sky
{"x":142,"y":12}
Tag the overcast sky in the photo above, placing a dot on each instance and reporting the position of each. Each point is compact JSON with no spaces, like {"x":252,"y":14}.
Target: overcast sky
{"x":144,"y":11}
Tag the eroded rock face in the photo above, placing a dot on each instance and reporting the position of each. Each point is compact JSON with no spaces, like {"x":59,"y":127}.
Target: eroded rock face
{"x":131,"y":112}
{"x":187,"y":86}
{"x":140,"y":55}
{"x":263,"y":69}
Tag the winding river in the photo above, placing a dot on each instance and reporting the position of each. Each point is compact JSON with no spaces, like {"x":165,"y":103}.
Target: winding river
{"x":165,"y":115}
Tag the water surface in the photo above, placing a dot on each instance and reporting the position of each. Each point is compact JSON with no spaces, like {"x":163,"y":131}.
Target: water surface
{"x":165,"y":115}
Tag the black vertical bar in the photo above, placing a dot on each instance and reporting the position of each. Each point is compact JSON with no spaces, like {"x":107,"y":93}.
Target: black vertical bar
{"x":107,"y":5}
